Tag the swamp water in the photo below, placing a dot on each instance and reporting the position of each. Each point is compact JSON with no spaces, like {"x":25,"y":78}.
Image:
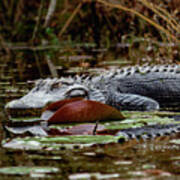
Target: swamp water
{"x":87,"y":157}
{"x":90,"y":157}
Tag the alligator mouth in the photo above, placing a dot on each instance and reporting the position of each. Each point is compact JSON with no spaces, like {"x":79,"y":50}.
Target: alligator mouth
{"x":21,"y":113}
{"x":21,"y":109}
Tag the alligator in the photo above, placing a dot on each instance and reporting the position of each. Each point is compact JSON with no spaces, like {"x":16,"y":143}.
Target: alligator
{"x":149,"y":132}
{"x":131,"y":88}
{"x":139,"y":88}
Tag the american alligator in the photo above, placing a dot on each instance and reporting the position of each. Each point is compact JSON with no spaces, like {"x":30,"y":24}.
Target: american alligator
{"x":131,"y":88}
{"x":143,"y":88}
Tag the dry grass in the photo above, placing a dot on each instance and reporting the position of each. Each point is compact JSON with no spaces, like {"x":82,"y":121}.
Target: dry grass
{"x":30,"y":31}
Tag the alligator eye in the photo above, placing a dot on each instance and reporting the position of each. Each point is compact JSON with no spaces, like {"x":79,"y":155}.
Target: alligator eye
{"x":77,"y":91}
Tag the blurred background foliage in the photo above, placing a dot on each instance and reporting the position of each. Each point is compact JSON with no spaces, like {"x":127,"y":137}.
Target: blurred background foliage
{"x":58,"y":37}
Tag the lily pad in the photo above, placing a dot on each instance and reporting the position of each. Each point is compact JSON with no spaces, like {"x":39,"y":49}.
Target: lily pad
{"x":134,"y":120}
{"x":81,"y":176}
{"x":21,"y":170}
{"x":25,"y":119}
{"x":83,"y":111}
{"x":59,"y":142}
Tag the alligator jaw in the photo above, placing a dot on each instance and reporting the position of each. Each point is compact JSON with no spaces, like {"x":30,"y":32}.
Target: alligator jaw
{"x":21,"y":104}
{"x":22,"y":108}
{"x":23,"y":113}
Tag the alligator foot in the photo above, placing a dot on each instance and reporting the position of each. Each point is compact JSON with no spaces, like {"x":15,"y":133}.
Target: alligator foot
{"x":131,"y":102}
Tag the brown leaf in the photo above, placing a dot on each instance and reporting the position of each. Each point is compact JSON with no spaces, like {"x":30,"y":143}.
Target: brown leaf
{"x":84,"y":111}
{"x":84,"y":129}
{"x":58,"y":104}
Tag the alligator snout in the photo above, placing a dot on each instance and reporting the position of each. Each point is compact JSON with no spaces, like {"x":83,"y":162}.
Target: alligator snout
{"x":25,"y":104}
{"x":20,"y":108}
{"x":29,"y":105}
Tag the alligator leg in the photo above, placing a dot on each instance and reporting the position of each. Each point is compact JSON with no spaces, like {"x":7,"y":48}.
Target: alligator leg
{"x":123,"y":101}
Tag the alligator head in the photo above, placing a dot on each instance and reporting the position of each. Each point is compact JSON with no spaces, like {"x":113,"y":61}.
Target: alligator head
{"x":51,"y":90}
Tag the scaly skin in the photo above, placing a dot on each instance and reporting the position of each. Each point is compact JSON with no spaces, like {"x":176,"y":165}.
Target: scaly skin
{"x":132,"y":88}
{"x":150,"y":132}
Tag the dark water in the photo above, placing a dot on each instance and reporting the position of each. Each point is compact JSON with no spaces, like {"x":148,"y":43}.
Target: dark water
{"x":134,"y":160}
{"x":110,"y":161}
{"x":156,"y":159}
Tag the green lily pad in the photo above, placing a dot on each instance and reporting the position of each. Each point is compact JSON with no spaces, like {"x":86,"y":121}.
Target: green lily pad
{"x":75,"y":139}
{"x":25,"y":119}
{"x":59,"y":142}
{"x":134,"y":119}
{"x":80,"y":176}
{"x":139,"y":114}
{"x":137,"y":120}
{"x":21,"y":170}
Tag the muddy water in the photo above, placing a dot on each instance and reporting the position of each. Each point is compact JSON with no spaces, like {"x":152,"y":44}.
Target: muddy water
{"x":107,"y":162}
{"x":158,"y":159}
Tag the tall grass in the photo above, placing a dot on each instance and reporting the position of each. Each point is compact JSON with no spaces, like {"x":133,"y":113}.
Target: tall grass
{"x":39,"y":32}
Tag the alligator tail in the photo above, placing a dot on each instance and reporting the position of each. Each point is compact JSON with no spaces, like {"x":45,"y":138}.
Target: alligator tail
{"x":149,"y":132}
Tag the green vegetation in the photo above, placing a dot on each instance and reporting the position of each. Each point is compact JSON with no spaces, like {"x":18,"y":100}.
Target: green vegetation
{"x":41,"y":171}
{"x":40,"y":38}
{"x":64,"y":37}
{"x":135,"y":119}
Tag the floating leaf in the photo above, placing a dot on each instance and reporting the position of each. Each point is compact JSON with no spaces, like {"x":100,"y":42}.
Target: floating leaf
{"x":85,"y":129}
{"x":50,"y":109}
{"x":21,"y":170}
{"x":58,"y":104}
{"x":80,"y":176}
{"x":84,"y":111}
{"x":59,"y":142}
{"x":82,"y":129}
{"x":36,"y":130}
